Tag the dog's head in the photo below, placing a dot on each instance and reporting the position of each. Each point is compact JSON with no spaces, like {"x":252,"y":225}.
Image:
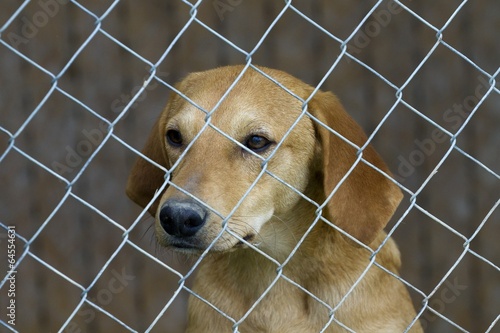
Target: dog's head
{"x":232,"y":170}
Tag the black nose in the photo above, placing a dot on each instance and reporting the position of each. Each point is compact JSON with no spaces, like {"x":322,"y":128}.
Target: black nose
{"x":182,"y":218}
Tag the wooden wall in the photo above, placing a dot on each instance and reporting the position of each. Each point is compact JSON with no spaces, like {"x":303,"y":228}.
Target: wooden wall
{"x":78,"y":241}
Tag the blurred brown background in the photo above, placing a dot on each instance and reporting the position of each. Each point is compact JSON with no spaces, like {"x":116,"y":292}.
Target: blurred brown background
{"x":119,"y":46}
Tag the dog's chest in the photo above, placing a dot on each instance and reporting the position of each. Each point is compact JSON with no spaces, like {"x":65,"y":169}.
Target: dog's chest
{"x":261,"y":300}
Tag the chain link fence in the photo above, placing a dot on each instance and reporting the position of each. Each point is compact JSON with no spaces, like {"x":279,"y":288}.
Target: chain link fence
{"x":87,"y":299}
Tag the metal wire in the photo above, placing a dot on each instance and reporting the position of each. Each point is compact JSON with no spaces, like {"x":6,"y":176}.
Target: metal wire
{"x":98,"y":30}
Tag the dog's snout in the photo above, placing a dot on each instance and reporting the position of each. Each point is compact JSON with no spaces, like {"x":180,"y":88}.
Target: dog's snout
{"x":182,"y":218}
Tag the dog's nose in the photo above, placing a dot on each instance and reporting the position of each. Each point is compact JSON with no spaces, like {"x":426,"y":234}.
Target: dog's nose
{"x":182,"y":218}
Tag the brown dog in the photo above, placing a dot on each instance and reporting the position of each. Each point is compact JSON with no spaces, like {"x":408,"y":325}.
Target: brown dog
{"x":258,"y":196}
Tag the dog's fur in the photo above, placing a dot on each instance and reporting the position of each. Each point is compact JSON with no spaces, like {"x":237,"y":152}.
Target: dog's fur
{"x":214,"y":175}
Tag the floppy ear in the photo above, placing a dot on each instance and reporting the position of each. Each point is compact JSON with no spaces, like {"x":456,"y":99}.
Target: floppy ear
{"x":145,"y":178}
{"x":366,"y":200}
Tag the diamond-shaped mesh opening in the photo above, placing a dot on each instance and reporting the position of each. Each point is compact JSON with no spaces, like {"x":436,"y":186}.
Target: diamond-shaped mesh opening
{"x":40,"y":21}
{"x":457,"y":295}
{"x":71,"y":146}
{"x":20,"y":205}
{"x":88,"y":68}
{"x":34,"y":280}
{"x":74,"y":256}
{"x":459,"y":209}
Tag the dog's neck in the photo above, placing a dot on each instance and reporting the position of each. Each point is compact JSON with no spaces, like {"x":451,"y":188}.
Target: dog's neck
{"x":284,"y":233}
{"x":289,"y":237}
{"x":287,"y":255}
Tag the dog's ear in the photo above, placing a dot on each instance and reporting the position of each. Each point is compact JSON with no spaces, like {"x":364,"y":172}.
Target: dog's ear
{"x":145,"y":178}
{"x":366,"y":200}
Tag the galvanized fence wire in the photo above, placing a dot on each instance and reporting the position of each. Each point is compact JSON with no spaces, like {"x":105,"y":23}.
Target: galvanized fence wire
{"x":12,"y":148}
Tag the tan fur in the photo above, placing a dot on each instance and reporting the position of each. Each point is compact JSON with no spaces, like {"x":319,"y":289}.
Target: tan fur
{"x":272,"y":217}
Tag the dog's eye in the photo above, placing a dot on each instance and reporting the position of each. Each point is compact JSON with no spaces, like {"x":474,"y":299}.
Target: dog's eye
{"x":257,"y":143}
{"x":174,"y":138}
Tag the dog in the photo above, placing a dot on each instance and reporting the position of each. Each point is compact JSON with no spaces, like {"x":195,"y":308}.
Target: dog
{"x":283,"y":200}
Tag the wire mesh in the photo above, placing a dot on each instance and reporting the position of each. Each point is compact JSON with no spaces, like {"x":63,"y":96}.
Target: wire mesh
{"x":22,"y":245}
